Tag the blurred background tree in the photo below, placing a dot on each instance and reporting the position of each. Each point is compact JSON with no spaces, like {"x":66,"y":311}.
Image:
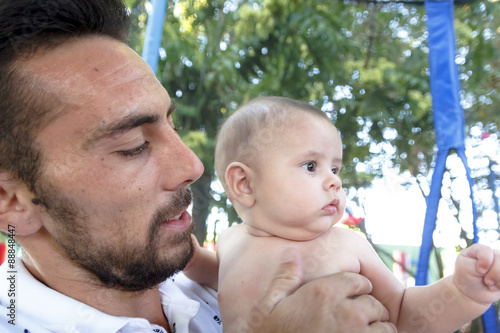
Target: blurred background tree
{"x":364,"y":63}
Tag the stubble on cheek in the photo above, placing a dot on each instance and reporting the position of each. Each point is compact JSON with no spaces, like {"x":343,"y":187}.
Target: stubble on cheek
{"x":118,"y":260}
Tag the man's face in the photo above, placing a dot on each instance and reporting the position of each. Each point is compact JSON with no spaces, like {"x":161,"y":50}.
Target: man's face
{"x":114,"y":171}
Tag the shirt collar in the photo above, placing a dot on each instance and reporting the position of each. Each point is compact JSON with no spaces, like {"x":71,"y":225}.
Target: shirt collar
{"x":44,"y":307}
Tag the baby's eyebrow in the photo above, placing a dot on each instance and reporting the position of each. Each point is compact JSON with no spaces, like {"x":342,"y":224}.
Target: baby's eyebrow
{"x":337,"y":161}
{"x":314,"y":154}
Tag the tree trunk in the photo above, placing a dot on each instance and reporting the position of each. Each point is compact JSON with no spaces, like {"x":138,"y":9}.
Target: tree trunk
{"x":201,"y":204}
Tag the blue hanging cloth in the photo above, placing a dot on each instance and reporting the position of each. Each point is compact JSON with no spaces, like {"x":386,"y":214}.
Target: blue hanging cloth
{"x":154,"y":30}
{"x":449,"y":125}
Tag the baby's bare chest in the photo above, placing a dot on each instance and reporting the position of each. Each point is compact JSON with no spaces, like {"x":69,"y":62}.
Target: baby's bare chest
{"x":319,"y":257}
{"x":323,"y":258}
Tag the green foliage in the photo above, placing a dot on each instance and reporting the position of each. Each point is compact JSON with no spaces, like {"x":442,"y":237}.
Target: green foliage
{"x":477,"y":30}
{"x":202,"y":145}
{"x":364,"y":64}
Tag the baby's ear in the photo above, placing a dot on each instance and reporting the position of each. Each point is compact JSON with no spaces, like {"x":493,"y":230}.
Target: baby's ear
{"x":16,"y":210}
{"x":238,"y":183}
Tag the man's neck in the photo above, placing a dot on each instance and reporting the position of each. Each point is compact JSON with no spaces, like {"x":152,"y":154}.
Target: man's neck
{"x":59,"y":274}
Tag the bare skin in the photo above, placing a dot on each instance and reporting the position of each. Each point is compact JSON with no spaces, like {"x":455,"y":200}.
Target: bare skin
{"x":111,"y":150}
{"x":109,"y":83}
{"x":289,"y":196}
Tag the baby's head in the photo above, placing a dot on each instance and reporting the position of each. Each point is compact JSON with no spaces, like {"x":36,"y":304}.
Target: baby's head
{"x":253,"y":127}
{"x":274,"y":156}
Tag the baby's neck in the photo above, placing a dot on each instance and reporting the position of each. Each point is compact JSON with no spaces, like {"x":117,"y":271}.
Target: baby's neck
{"x":255,"y":231}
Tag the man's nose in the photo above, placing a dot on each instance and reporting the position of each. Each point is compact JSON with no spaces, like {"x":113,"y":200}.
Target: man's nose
{"x":181,"y":166}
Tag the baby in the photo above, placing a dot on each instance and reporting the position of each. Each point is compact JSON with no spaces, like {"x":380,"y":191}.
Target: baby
{"x":279,"y":161}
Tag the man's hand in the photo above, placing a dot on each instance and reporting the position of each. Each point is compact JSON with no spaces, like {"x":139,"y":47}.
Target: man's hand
{"x":335,"y":303}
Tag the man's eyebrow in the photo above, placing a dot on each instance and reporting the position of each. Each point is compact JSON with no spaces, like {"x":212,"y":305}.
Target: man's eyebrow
{"x":119,"y":126}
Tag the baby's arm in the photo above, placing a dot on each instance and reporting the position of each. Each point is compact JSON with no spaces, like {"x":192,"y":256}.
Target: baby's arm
{"x":203,"y":266}
{"x":446,"y":305}
{"x":443,"y":306}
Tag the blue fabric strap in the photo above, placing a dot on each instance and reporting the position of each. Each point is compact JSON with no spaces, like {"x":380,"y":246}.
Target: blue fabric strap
{"x":449,"y":121}
{"x":449,"y":125}
{"x":430,"y":217}
{"x":154,"y":30}
{"x":461,"y":154}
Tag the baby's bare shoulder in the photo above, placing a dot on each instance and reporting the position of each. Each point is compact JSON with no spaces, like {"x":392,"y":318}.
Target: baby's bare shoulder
{"x":340,"y":234}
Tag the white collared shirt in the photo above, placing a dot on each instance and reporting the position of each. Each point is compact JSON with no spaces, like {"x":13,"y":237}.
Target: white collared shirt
{"x":36,"y":308}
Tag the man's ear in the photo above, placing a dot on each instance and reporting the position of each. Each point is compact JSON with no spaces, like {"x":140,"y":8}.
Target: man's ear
{"x":238,"y":183}
{"x":16,"y":209}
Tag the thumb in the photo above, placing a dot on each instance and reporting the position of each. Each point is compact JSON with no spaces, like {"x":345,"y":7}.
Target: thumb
{"x":285,"y":282}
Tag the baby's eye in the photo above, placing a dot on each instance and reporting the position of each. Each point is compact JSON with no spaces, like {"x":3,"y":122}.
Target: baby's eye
{"x":309,"y":166}
{"x":335,"y":170}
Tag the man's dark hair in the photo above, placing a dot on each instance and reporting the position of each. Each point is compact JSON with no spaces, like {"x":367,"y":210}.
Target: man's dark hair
{"x":28,"y":28}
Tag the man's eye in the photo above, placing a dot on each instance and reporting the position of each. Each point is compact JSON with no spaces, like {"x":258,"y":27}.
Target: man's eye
{"x":135,"y":151}
{"x":309,"y":166}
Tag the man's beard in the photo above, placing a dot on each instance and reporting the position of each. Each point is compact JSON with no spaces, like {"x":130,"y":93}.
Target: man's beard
{"x":129,"y":265}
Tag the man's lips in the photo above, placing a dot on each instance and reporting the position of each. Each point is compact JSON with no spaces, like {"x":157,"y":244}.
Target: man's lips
{"x":180,"y":222}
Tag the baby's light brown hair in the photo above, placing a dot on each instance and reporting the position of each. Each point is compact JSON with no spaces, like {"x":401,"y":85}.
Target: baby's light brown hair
{"x":252,"y":126}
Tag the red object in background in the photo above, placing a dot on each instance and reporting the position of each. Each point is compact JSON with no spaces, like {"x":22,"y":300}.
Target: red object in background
{"x":349,"y":219}
{"x":352,"y":221}
{"x":3,"y":252}
{"x":402,"y":262}
{"x":209,"y":246}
